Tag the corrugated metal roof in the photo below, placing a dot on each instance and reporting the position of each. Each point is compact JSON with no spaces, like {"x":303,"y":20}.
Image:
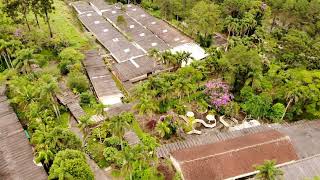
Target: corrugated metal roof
{"x":233,"y":157}
{"x":138,"y":67}
{"x":129,"y":43}
{"x":303,"y":169}
{"x":101,"y":79}
{"x":163,"y":30}
{"x":16,"y":154}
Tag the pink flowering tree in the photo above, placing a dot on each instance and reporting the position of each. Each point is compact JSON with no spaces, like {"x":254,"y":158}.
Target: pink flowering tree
{"x":218,"y":93}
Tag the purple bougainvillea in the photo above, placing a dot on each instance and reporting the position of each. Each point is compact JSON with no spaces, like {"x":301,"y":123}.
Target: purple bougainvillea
{"x":218,"y":92}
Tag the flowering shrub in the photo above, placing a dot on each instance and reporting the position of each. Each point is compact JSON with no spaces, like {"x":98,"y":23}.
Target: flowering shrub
{"x":218,"y":92}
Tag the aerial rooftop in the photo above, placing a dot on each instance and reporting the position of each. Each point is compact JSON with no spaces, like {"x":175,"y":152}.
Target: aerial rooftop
{"x":16,"y":155}
{"x":129,"y":42}
{"x":233,"y":157}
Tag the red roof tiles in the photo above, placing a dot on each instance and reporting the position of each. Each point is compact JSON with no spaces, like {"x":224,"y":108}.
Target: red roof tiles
{"x":230,"y":158}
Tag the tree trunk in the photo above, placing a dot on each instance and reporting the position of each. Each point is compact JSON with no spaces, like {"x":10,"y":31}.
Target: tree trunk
{"x":48,"y":22}
{"x":37,"y":20}
{"x":5,"y":59}
{"x":8,"y":57}
{"x":285,"y":111}
{"x":273,"y":23}
{"x":26,"y":19}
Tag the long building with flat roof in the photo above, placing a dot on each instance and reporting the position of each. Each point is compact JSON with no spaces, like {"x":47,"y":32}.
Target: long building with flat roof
{"x":16,"y":155}
{"x":130,"y":40}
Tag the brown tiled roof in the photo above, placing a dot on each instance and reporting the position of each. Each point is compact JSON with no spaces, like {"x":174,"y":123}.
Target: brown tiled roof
{"x":233,"y":157}
{"x":16,"y":157}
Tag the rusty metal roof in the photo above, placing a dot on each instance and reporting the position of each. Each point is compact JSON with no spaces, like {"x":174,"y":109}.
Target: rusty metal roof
{"x":233,"y":157}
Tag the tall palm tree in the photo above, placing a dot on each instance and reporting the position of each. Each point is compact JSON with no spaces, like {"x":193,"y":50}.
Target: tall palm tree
{"x":7,"y":49}
{"x":182,"y":58}
{"x":49,"y":87}
{"x":118,"y":126}
{"x":154,"y":54}
{"x":85,"y":122}
{"x":268,"y":171}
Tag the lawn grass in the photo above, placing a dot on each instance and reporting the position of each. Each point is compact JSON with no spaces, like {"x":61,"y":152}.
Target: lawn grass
{"x":65,"y":24}
{"x":90,"y":111}
{"x":63,"y":121}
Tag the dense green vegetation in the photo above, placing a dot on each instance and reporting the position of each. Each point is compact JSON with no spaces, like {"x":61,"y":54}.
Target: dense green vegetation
{"x":270,"y":59}
{"x":266,"y":66}
{"x":108,"y":148}
{"x":34,"y":60}
{"x":268,"y":171}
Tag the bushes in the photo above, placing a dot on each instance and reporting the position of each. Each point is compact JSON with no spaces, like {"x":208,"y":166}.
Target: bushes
{"x":85,"y":98}
{"x":78,"y":82}
{"x":111,"y":155}
{"x":96,"y":150}
{"x":70,"y":164}
{"x":277,"y":112}
{"x":70,"y":59}
{"x":167,"y":127}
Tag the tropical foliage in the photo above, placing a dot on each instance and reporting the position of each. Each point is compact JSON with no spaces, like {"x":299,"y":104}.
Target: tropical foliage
{"x":268,"y":60}
{"x":268,"y":171}
{"x":70,"y":164}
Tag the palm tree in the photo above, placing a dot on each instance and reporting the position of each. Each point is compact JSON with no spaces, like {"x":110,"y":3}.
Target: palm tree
{"x":24,"y":95}
{"x":292,"y":97}
{"x":154,"y":54}
{"x":85,"y":122}
{"x":45,"y":156}
{"x":146,"y":105}
{"x":163,"y":129}
{"x":23,"y":60}
{"x":118,"y":126}
{"x":7,"y":49}
{"x":268,"y":171}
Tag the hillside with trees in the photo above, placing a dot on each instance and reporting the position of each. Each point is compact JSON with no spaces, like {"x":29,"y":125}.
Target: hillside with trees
{"x":270,"y":58}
